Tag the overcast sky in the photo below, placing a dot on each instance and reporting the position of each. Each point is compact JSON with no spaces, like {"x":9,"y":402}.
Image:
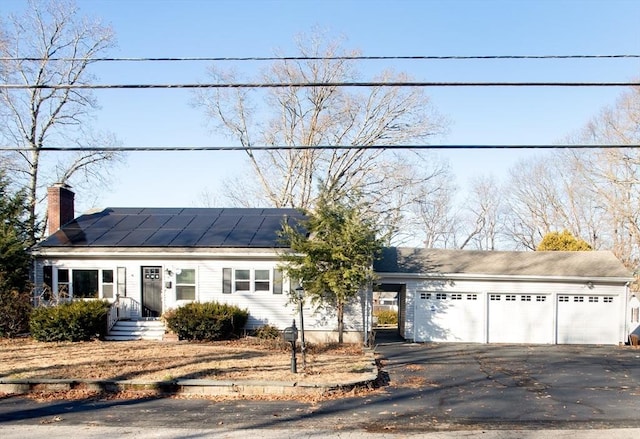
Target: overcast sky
{"x":215,"y":28}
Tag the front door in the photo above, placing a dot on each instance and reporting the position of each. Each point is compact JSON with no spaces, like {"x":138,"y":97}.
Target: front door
{"x":151,"y":291}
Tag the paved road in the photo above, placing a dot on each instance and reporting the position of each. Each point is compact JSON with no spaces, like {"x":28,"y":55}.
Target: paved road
{"x":429,"y":388}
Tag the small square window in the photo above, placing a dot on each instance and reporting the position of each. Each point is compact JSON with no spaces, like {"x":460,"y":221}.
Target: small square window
{"x":541,"y":298}
{"x":494,"y":297}
{"x":607,"y":299}
{"x":578,"y":298}
{"x":593,"y":299}
{"x":525,"y":298}
{"x":441,"y":296}
{"x":456,"y":297}
{"x":563,"y":298}
{"x":510,"y":298}
{"x":472,"y":297}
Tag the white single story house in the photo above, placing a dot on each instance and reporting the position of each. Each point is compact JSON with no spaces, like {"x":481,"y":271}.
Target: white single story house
{"x":156,"y":259}
{"x":510,"y":297}
{"x":150,"y":260}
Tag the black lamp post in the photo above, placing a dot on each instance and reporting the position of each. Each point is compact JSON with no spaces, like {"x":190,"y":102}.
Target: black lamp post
{"x":300,"y":297}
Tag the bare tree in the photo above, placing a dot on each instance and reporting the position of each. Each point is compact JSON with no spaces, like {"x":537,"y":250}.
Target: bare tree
{"x":483,"y":215}
{"x":592,"y":193}
{"x":325,"y":115}
{"x":63,"y":44}
{"x":547,"y":195}
{"x":612,"y":175}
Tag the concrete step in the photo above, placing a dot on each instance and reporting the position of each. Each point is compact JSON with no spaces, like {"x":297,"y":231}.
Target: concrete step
{"x":137,"y":330}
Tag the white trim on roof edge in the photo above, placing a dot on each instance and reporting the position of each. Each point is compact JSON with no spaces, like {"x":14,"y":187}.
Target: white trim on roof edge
{"x":458,"y":276}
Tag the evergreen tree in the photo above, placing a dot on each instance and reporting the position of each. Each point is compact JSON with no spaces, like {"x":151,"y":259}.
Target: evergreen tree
{"x":14,"y":238}
{"x":15,"y":300}
{"x":332,"y":253}
{"x":562,"y":241}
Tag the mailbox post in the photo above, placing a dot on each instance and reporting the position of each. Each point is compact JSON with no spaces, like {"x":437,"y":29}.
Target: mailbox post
{"x":290,"y":334}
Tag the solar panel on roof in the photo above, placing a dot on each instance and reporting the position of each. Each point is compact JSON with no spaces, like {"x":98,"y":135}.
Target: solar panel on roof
{"x":225,"y":222}
{"x":169,"y":227}
{"x":161,"y":210}
{"x":162,"y":238}
{"x":202,"y":222}
{"x":111,"y":238}
{"x":130,"y":222}
{"x":136,"y":237}
{"x":239,"y":238}
{"x":214,"y":237}
{"x":155,"y":221}
{"x":187,"y":238}
{"x":178,"y":222}
{"x":109,"y":221}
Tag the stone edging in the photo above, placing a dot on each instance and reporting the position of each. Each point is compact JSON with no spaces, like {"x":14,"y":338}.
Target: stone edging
{"x":187,"y":386}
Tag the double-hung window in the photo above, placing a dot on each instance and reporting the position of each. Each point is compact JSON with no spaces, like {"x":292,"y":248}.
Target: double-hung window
{"x":247,"y":280}
{"x":186,"y":284}
{"x":107,"y":284}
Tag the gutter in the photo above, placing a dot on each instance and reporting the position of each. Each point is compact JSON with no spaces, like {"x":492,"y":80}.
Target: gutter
{"x":502,"y":277}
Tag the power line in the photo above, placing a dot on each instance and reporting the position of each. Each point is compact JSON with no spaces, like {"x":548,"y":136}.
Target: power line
{"x":308,"y":147}
{"x":318,"y":84}
{"x":323,"y":58}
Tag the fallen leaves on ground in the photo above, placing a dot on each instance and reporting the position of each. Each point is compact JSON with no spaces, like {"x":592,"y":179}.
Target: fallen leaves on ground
{"x":243,"y":359}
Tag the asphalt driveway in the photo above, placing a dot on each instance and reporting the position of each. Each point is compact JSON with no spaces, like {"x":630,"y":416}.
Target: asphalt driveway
{"x":424,"y":387}
{"x":480,"y":384}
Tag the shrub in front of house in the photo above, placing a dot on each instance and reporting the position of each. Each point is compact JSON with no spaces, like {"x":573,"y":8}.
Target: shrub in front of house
{"x":268,"y":332}
{"x":15,"y":309}
{"x":79,"y":320}
{"x":387,"y":317}
{"x":208,"y":321}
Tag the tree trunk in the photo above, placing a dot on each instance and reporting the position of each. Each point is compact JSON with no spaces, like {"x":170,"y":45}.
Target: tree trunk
{"x":340,"y":322}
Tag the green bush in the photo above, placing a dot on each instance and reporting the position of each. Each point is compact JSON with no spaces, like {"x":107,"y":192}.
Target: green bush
{"x":73,"y":321}
{"x":206,"y":321}
{"x":268,"y":332}
{"x":387,"y":317}
{"x":15,"y":309}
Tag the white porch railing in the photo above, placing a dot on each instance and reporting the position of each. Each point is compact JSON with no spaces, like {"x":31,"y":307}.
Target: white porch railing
{"x":124,"y":308}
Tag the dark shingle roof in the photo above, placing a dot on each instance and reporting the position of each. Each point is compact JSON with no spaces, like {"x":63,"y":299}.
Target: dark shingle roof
{"x":175,"y":227}
{"x":500,"y":263}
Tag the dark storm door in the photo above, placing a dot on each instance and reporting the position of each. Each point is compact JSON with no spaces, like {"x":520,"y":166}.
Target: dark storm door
{"x":151,"y":291}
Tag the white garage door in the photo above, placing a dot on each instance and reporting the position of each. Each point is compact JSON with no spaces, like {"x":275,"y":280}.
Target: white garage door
{"x":588,"y":319}
{"x":449,"y":317}
{"x":520,"y":318}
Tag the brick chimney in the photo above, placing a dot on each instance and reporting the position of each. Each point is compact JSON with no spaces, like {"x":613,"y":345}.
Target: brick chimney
{"x":61,"y":207}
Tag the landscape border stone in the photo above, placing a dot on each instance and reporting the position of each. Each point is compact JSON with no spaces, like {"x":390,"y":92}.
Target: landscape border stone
{"x":189,"y":386}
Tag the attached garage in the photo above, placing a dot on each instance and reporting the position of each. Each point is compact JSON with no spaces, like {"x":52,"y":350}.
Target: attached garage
{"x":520,"y":318}
{"x":508,"y":297}
{"x":587,"y":318}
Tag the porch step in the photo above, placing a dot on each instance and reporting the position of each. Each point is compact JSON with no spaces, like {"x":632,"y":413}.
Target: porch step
{"x":125,"y":330}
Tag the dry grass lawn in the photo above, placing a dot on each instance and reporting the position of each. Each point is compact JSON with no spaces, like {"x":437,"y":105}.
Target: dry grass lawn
{"x":246,"y":359}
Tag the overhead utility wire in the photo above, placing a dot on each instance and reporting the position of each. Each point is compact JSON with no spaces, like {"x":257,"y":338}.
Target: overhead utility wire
{"x":320,"y":84}
{"x":307,"y":147}
{"x":322,"y":58}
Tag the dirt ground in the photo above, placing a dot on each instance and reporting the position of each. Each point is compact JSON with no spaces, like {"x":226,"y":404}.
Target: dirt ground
{"x":246,"y":359}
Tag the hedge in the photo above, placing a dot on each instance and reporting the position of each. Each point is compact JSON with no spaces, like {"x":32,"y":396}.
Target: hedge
{"x":72,"y":321}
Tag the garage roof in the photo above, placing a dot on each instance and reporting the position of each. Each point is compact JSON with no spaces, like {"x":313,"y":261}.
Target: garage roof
{"x":500,"y":263}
